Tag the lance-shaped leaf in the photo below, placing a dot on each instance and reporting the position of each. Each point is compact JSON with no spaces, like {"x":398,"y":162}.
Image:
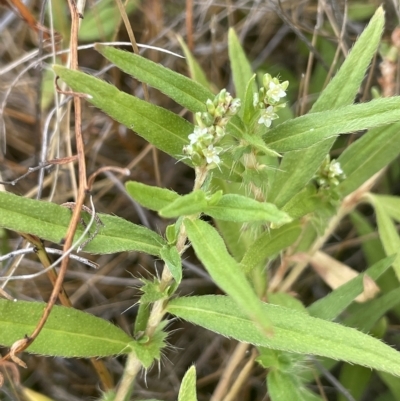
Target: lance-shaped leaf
{"x":284,"y":386}
{"x":183,"y":90}
{"x":171,"y":257}
{"x":153,"y":198}
{"x":241,"y":209}
{"x":241,"y":68}
{"x":225,"y":271}
{"x":332,"y":305}
{"x":305,"y":131}
{"x":50,"y":222}
{"x":187,"y":392}
{"x":342,"y":89}
{"x":369,"y":154}
{"x":387,"y":232}
{"x":293,"y":332}
{"x":160,"y":127}
{"x":164,"y":129}
{"x":365,"y":317}
{"x":391,"y":205}
{"x":195,"y":70}
{"x":193,"y":203}
{"x":67,"y":333}
{"x":268,"y":244}
{"x":298,"y":168}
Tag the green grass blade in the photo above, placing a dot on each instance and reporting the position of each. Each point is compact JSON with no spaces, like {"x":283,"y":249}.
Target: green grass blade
{"x":50,"y":222}
{"x":293,"y":332}
{"x":67,"y":333}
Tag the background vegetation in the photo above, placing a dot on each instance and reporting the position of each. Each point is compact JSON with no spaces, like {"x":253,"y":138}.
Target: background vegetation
{"x":303,"y":42}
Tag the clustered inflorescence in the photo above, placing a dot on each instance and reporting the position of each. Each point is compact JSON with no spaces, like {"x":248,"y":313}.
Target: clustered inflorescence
{"x":268,"y":99}
{"x":210,"y":129}
{"x":330,"y":174}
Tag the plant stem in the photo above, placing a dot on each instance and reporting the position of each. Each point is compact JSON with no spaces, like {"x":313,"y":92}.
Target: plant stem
{"x":133,"y":365}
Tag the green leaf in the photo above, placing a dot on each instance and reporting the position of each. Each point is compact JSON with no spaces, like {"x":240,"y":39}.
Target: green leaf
{"x":304,"y":202}
{"x":50,"y":222}
{"x":355,"y":380}
{"x":142,"y":318}
{"x":187,"y":392}
{"x":236,"y":241}
{"x":305,"y":131}
{"x":247,"y":106}
{"x":241,"y":68}
{"x":151,"y":291}
{"x":101,"y":21}
{"x":183,"y":90}
{"x":391,"y":205}
{"x":293,"y":332}
{"x":371,"y":247}
{"x":296,"y":170}
{"x":343,"y":88}
{"x":241,"y":209}
{"x":196,"y":72}
{"x":387,"y":232}
{"x":193,"y":203}
{"x":333,"y":304}
{"x":162,"y":128}
{"x":283,"y":386}
{"x":170,"y":255}
{"x":369,"y":154}
{"x":148,"y":350}
{"x":153,"y":198}
{"x":365,"y":316}
{"x":393,"y":383}
{"x":67,"y":333}
{"x":268,"y":244}
{"x":225,"y":271}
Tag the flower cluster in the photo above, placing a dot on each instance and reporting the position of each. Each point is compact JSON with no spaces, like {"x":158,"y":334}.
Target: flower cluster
{"x":330,"y":174}
{"x":210,"y":129}
{"x":268,"y":99}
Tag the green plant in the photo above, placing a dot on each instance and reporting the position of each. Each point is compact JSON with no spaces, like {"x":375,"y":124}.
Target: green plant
{"x":274,"y":194}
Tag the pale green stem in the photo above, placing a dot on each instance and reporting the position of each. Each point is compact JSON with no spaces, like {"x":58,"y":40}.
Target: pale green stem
{"x":133,"y":365}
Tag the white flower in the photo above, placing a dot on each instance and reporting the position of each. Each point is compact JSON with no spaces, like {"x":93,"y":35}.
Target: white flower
{"x":211,"y":154}
{"x":234,"y":107}
{"x":198,"y":135}
{"x":267,"y":116}
{"x":335,"y":169}
{"x":276,"y":91}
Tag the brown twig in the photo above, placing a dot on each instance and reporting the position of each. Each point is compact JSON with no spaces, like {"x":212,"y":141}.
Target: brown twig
{"x":49,"y":163}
